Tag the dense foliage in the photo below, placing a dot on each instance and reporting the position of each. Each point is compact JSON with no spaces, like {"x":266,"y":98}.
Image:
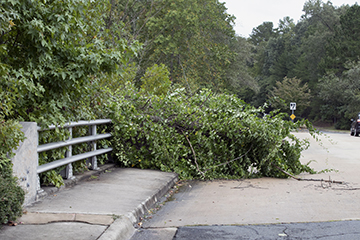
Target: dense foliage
{"x":11,"y":194}
{"x":205,"y":136}
{"x":54,"y":59}
{"x":49,"y":51}
{"x":194,"y":39}
{"x":320,"y":50}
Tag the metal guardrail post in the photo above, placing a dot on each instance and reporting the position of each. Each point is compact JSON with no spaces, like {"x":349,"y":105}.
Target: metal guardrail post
{"x":69,"y":167}
{"x":39,"y":190}
{"x":92,"y":161}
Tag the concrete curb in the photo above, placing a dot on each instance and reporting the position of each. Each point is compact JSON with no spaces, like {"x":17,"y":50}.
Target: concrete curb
{"x":120,"y":229}
{"x":123,"y":227}
{"x":151,"y":201}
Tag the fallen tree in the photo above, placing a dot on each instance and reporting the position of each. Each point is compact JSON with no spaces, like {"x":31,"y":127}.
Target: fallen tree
{"x":205,"y":136}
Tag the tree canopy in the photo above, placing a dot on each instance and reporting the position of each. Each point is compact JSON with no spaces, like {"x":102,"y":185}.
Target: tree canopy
{"x":49,"y":51}
{"x":318,"y":50}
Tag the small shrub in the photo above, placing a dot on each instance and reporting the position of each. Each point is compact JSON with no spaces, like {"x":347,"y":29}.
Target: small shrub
{"x":12,"y":197}
{"x":11,"y":194}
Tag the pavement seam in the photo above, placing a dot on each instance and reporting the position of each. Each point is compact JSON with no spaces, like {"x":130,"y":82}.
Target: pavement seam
{"x":38,"y":218}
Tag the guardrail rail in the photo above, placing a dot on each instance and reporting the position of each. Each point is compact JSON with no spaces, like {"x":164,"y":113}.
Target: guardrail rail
{"x":69,"y":158}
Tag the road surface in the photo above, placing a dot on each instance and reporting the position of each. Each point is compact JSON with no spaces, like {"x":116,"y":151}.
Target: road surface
{"x":232,"y":208}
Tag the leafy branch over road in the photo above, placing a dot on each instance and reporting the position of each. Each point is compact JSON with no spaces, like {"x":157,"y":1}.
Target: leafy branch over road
{"x":205,"y":136}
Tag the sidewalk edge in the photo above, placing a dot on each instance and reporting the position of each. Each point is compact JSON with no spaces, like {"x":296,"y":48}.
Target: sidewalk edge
{"x":142,"y":208}
{"x":123,"y":227}
{"x":120,"y":229}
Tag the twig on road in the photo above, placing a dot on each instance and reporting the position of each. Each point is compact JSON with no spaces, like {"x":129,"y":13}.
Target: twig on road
{"x":307,"y":179}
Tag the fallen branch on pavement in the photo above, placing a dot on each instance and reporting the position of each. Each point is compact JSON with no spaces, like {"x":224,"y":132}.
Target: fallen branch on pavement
{"x":307,"y":179}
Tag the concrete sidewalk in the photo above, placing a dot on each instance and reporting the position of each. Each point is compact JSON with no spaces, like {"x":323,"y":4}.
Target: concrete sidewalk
{"x":105,"y":206}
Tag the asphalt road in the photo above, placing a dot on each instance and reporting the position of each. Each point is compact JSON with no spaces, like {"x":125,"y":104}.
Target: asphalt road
{"x":270,"y":208}
{"x":344,"y":230}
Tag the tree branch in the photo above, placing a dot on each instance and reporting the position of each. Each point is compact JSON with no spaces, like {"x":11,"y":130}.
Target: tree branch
{"x":192,"y":149}
{"x":306,"y":179}
{"x":230,"y":160}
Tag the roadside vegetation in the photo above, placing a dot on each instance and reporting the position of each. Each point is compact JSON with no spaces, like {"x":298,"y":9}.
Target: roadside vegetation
{"x":185,"y":93}
{"x":205,"y":136}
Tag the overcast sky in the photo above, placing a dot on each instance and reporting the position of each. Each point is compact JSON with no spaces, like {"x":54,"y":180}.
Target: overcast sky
{"x":252,"y":13}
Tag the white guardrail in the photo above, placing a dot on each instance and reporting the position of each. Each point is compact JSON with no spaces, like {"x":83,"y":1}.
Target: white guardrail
{"x":69,"y":158}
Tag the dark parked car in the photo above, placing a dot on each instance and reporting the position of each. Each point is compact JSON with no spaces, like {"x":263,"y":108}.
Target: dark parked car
{"x":355,"y":126}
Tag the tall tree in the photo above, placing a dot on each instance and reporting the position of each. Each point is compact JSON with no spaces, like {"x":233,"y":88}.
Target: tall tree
{"x":262,"y":33}
{"x":238,"y":77}
{"x":190,"y":37}
{"x":344,"y":46}
{"x":341,"y":95}
{"x":50,"y":55}
{"x":277,"y":58}
{"x":290,"y":90}
{"x":259,"y":37}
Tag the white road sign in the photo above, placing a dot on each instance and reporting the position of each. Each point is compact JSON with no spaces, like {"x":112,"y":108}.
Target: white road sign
{"x":292,"y":106}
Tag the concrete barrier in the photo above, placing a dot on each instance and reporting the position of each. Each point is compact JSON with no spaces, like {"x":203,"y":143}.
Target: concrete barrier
{"x":25,"y":161}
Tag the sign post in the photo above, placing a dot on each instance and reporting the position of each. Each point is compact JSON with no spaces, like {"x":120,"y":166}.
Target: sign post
{"x":292,"y":108}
